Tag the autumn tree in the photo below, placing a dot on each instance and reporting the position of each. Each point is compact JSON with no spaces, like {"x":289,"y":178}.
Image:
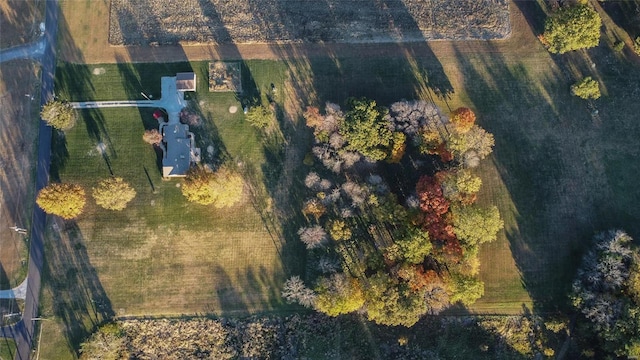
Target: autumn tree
{"x":461,"y":185}
{"x":477,"y":141}
{"x":113,"y":193}
{"x":587,"y":88}
{"x":152,"y":137}
{"x":339,"y":230}
{"x":412,"y":246}
{"x":465,"y":289}
{"x":604,"y":292}
{"x":58,"y":114}
{"x":259,"y":116}
{"x":463,"y":119}
{"x":62,"y":199}
{"x":106,"y":343}
{"x":338,"y":294}
{"x":572,"y":28}
{"x":476,"y":225}
{"x":398,"y":147}
{"x":313,"y":236}
{"x":295,"y":291}
{"x":366,"y":130}
{"x":390,"y":302}
{"x":222,"y":188}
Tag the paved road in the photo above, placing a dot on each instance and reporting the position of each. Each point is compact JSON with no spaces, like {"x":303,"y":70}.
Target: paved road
{"x":28,"y":51}
{"x":23,"y":331}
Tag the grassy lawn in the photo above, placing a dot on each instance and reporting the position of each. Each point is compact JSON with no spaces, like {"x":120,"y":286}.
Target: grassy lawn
{"x":7,"y":349}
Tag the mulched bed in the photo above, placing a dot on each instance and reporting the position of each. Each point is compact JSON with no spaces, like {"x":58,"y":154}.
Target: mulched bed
{"x":157,"y":22}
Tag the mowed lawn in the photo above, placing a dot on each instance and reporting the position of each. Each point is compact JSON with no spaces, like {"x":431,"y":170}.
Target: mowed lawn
{"x":163,"y":255}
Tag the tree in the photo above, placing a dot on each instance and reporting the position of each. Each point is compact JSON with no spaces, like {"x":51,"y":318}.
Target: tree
{"x":390,"y":302}
{"x":465,"y":289}
{"x":603,"y":293}
{"x":463,"y":119}
{"x":366,"y":130}
{"x":398,"y":147}
{"x":587,"y":88}
{"x":412,"y":247}
{"x":339,"y":230}
{"x":58,"y":114}
{"x":62,"y":199}
{"x":222,"y":188}
{"x":432,"y":201}
{"x":113,"y":194}
{"x":259,"y":116}
{"x":475,"y":225}
{"x":459,"y":185}
{"x":313,"y":236}
{"x":572,"y":28}
{"x":104,"y":344}
{"x":152,"y":137}
{"x":338,"y":294}
{"x":294,"y":290}
{"x":476,"y":140}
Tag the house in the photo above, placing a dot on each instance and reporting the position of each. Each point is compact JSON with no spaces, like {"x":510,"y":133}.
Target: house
{"x":186,"y":81}
{"x":178,"y":150}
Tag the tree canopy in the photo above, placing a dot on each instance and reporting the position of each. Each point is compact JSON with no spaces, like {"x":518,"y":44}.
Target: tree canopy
{"x":62,"y":199}
{"x":587,"y":88}
{"x":572,"y":28}
{"x":113,"y":193}
{"x":605,"y":293}
{"x":58,"y":114}
{"x":222,"y":188}
{"x":366,"y":130}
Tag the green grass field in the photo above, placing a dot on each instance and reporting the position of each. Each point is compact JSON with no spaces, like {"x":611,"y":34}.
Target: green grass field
{"x":7,"y":349}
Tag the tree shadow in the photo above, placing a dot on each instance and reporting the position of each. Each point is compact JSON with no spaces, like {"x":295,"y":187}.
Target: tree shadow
{"x":80,"y":302}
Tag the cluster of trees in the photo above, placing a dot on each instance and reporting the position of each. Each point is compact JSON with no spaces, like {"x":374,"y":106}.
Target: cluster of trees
{"x":222,"y":188}
{"x":68,"y":200}
{"x":393,"y":255}
{"x":606,"y":293}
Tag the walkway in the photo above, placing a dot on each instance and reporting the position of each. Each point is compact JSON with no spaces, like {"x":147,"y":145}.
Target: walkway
{"x":18,"y":292}
{"x":29,"y":51}
{"x":171,"y":100}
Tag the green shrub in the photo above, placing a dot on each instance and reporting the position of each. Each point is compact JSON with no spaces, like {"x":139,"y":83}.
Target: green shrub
{"x":586,"y":88}
{"x":259,"y":117}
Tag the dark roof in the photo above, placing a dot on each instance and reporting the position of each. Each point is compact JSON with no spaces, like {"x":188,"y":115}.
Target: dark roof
{"x":177,"y":156}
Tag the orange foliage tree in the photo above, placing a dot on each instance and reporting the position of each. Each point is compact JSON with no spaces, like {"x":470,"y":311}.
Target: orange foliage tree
{"x":463,"y":119}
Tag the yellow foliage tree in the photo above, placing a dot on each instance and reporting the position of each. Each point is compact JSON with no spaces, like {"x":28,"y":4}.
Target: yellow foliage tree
{"x":339,"y":230}
{"x":64,"y":200}
{"x":113,"y":194}
{"x":222,"y":188}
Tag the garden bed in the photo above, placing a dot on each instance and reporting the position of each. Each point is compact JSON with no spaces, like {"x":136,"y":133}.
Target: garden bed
{"x":157,"y":22}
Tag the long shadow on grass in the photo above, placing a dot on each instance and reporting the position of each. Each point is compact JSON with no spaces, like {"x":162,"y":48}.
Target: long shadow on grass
{"x":538,"y":161}
{"x":80,"y":302}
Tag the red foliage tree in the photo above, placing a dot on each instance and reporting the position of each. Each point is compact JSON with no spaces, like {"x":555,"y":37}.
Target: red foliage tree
{"x":463,"y":119}
{"x":432,"y":201}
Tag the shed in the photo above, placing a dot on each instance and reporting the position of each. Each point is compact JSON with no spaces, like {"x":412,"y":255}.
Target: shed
{"x":186,"y":81}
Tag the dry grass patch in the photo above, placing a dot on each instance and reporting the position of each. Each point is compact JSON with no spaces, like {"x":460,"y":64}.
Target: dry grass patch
{"x":19,"y":21}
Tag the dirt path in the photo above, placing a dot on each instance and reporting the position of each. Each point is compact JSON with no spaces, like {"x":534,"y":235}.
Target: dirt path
{"x":95,"y":48}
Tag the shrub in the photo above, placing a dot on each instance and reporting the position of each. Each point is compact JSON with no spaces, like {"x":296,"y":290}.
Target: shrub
{"x":586,"y":88}
{"x":58,"y":114}
{"x":572,"y":28}
{"x":259,"y":117}
{"x":152,"y":137}
{"x":113,"y":194}
{"x":636,"y":45}
{"x":64,"y":200}
{"x":618,"y":46}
